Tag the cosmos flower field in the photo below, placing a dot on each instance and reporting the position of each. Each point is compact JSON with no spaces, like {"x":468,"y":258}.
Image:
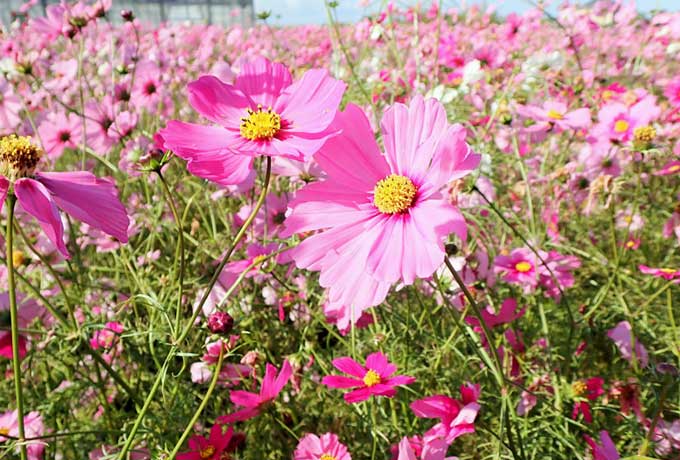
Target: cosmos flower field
{"x":435,"y":233}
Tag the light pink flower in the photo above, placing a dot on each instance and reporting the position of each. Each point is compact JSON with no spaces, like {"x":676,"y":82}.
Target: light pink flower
{"x":313,"y":447}
{"x":60,"y":131}
{"x":33,"y":428}
{"x":555,"y":114}
{"x":623,"y":337}
{"x":372,"y":204}
{"x":669,"y":274}
{"x":262,"y":113}
{"x":373,"y":379}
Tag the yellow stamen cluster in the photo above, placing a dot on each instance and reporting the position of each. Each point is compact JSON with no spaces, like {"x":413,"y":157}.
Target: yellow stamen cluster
{"x":394,"y":194}
{"x":260,"y":125}
{"x":555,"y":115}
{"x":4,"y":431}
{"x":207,"y":452}
{"x":578,"y":387}
{"x":18,"y":258}
{"x":667,"y":270}
{"x":644,"y":134}
{"x":621,"y":126}
{"x":327,"y":456}
{"x":523,"y":266}
{"x":18,"y":157}
{"x":371,"y":378}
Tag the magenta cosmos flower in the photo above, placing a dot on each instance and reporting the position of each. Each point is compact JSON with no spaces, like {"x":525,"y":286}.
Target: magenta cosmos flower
{"x":326,"y":447}
{"x":262,"y":113}
{"x":211,"y":448}
{"x":668,"y":274}
{"x":253,"y":403}
{"x":384,"y":216}
{"x":80,"y":194}
{"x":456,"y":417}
{"x":373,"y":379}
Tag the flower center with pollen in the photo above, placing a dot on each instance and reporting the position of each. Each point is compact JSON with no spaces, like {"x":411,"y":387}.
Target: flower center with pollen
{"x":207,"y":452}
{"x":394,"y":194}
{"x":621,"y":126}
{"x":260,"y":125}
{"x":371,"y":378}
{"x":18,"y":157}
{"x":555,"y":115}
{"x":327,"y":457}
{"x":523,"y":266}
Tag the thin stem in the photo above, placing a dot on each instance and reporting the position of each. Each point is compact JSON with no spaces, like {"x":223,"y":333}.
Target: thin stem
{"x":14,"y":322}
{"x":204,"y":402}
{"x":180,"y":244}
{"x":199,"y":307}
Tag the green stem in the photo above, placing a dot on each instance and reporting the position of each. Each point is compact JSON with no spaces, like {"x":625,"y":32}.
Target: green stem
{"x":199,"y":307}
{"x":14,"y":322}
{"x":180,"y":244}
{"x":204,"y":402}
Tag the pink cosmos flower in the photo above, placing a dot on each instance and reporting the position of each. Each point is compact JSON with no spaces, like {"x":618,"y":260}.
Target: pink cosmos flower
{"x":272,"y":384}
{"x":672,"y":167}
{"x":508,"y":312}
{"x":80,"y":194}
{"x":230,"y":374}
{"x":373,"y":379}
{"x":585,"y":392}
{"x":105,"y":337}
{"x":27,"y":310}
{"x":672,"y":92}
{"x":10,"y":106}
{"x":520,"y":266}
{"x":372,"y":206}
{"x":435,"y":449}
{"x":210,"y":448}
{"x":456,"y":417}
{"x":33,"y":428}
{"x":605,"y":451}
{"x":665,"y":273}
{"x":555,"y":114}
{"x":623,"y":337}
{"x":326,"y":447}
{"x":617,"y":122}
{"x":262,"y":113}
{"x":60,"y":131}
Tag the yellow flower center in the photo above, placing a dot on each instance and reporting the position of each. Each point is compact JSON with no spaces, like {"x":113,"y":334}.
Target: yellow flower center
{"x":327,"y":456}
{"x":260,"y":125}
{"x":579,"y":387}
{"x":371,"y":378}
{"x":523,"y":266}
{"x":607,"y":94}
{"x":4,"y":431}
{"x":555,"y":115}
{"x":667,"y":270}
{"x":394,"y":194}
{"x":621,"y":126}
{"x":207,"y":452}
{"x":18,"y":258}
{"x":630,"y":244}
{"x":674,"y":168}
{"x":644,"y":134}
{"x":18,"y":157}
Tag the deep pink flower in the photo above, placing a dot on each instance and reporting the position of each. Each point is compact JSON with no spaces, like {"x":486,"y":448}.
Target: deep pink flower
{"x":82,"y":195}
{"x":60,"y":131}
{"x":672,"y":92}
{"x":456,"y":417}
{"x":105,"y":337}
{"x":605,"y":451}
{"x":509,"y":312}
{"x":520,"y":266}
{"x":262,"y":113}
{"x":326,"y":447}
{"x":210,"y":448}
{"x":373,"y":379}
{"x":434,"y":449}
{"x":28,"y":310}
{"x":373,"y":206}
{"x":623,"y":337}
{"x":672,"y":167}
{"x":272,"y":384}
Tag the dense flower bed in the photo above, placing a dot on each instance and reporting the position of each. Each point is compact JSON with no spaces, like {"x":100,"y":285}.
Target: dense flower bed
{"x":432,"y":232}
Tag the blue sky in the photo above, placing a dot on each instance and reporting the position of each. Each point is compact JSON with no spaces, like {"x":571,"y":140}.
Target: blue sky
{"x":313,"y":11}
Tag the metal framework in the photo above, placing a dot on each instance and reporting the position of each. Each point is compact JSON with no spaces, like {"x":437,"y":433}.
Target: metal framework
{"x":220,"y":12}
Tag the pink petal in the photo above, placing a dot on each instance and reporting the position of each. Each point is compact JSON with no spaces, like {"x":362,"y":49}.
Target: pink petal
{"x":349,"y":366}
{"x":282,"y":378}
{"x":437,"y":406}
{"x":362,"y":394}
{"x":399,"y":380}
{"x":244,"y":398}
{"x":379,"y":363}
{"x":410,"y":134}
{"x":453,"y":158}
{"x":311,"y":103}
{"x":263,"y":81}
{"x":90,"y":200}
{"x":405,"y":450}
{"x":35,"y":199}
{"x":218,"y":102}
{"x":339,"y":381}
{"x":4,"y":186}
{"x":239,"y":416}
